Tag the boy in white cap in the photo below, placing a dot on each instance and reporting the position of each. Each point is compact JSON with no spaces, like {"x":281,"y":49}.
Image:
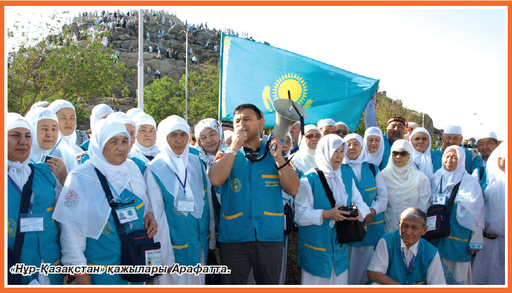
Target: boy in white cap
{"x":452,"y":135}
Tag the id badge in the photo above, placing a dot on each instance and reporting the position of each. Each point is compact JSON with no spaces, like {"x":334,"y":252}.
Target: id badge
{"x":440,"y":199}
{"x":153,"y":257}
{"x":186,"y":204}
{"x":34,"y":223}
{"x":431,"y":223}
{"x":127,"y":215}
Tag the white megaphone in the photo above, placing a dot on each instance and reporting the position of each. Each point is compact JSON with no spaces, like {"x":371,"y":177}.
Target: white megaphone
{"x":288,"y":113}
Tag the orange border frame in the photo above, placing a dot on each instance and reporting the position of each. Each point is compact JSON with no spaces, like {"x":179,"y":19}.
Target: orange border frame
{"x":122,"y":3}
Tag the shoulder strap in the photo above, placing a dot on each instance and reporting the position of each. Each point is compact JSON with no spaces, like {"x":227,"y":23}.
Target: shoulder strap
{"x":372,"y":168}
{"x":452,"y":196}
{"x":25,"y":200}
{"x":121,"y":230}
{"x":326,"y":186}
{"x":481,"y":172}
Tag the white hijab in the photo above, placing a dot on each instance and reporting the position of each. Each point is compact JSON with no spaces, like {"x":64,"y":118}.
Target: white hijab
{"x":18,"y":171}
{"x":304,"y":159}
{"x":70,"y":140}
{"x":139,"y":150}
{"x":402,"y":182}
{"x":376,"y":157}
{"x":208,"y":123}
{"x":180,"y":165}
{"x":98,"y":112}
{"x":325,"y":150}
{"x":423,"y":161}
{"x":470,"y":210}
{"x":83,"y":205}
{"x":495,"y":192}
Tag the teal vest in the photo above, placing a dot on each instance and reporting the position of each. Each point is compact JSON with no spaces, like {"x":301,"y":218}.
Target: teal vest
{"x":36,"y":245}
{"x":140,"y":163}
{"x":85,"y":145}
{"x":252,"y":202}
{"x":437,"y":160}
{"x":107,"y":249}
{"x":318,"y":247}
{"x":368,"y":189}
{"x":188,"y":234}
{"x":397,"y":268}
{"x":387,"y":152}
{"x":482,"y":173}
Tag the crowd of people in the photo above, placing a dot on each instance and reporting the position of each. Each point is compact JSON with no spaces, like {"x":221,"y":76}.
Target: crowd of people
{"x":223,"y":193}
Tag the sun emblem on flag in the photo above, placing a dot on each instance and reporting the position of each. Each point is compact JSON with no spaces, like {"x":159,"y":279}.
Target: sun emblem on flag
{"x":291,"y":82}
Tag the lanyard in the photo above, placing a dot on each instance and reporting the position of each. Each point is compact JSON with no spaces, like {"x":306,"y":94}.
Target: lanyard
{"x":19,"y":191}
{"x":55,"y":146}
{"x":409,"y":267}
{"x":184,"y":185}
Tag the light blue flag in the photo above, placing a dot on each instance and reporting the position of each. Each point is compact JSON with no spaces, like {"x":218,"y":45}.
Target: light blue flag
{"x":258,"y":74}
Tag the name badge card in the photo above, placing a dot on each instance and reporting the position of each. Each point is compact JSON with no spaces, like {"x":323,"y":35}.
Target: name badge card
{"x":186,"y":204}
{"x":127,"y":215}
{"x":440,"y":199}
{"x":35,"y":223}
{"x":431,"y":223}
{"x":153,"y":257}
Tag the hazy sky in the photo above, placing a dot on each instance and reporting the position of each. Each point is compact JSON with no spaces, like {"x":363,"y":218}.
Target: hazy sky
{"x":450,"y":62}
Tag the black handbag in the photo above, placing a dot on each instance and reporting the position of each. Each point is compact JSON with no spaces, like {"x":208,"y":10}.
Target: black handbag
{"x":14,"y":255}
{"x":133,"y":245}
{"x":347,"y":231}
{"x":438,"y":216}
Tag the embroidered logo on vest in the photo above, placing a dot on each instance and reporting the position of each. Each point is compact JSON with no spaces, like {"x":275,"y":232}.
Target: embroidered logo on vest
{"x":236,"y":185}
{"x":11,"y":227}
{"x":107,"y":229}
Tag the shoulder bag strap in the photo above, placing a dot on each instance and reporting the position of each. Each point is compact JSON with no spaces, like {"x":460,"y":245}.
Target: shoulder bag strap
{"x":25,"y":200}
{"x":121,"y":230}
{"x":326,"y":187}
{"x":452,"y":196}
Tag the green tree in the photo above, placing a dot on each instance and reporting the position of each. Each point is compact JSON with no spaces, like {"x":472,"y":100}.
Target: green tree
{"x":54,"y":67}
{"x":165,"y":97}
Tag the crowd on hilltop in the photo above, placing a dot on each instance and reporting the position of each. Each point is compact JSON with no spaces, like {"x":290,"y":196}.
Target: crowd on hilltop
{"x":322,"y":206}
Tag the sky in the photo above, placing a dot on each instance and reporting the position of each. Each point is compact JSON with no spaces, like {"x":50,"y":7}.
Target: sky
{"x":450,"y":62}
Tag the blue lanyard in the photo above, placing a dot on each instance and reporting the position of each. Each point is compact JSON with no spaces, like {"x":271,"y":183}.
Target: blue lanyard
{"x":184,"y":185}
{"x":19,"y":191}
{"x":409,"y":267}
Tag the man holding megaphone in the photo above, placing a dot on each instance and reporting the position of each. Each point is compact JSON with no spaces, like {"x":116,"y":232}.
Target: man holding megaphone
{"x":252,"y":222}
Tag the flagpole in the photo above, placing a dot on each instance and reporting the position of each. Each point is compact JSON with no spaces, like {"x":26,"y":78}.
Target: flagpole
{"x":186,"y":73}
{"x":140,"y":64}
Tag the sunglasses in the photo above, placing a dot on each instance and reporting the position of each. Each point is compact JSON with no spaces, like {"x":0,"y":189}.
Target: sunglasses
{"x":311,"y":135}
{"x":339,"y":131}
{"x":402,"y":153}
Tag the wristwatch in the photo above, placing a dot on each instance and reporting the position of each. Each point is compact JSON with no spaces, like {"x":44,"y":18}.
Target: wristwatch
{"x":231,"y":151}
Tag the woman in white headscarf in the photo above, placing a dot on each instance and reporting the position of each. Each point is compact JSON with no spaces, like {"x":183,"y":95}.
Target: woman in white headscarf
{"x":489,"y":264}
{"x":99,"y":112}
{"x":316,"y":217}
{"x":421,"y":158}
{"x":467,"y":219}
{"x":87,"y":226}
{"x":66,"y":114}
{"x":304,"y":159}
{"x":181,"y":202}
{"x":407,"y":187}
{"x":373,"y":144}
{"x":47,"y":141}
{"x":145,"y":147}
{"x":210,"y":138}
{"x":374,"y":192}
{"x":38,"y":246}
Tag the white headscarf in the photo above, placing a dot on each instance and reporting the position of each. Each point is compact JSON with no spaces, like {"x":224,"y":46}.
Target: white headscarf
{"x":376,"y":157}
{"x":33,"y":117}
{"x":423,"y":161}
{"x":134,"y":111}
{"x":208,"y":123}
{"x":83,"y":205}
{"x":401,"y":181}
{"x":139,"y":150}
{"x":98,"y":112}
{"x":362,"y":156}
{"x":470,"y":210}
{"x":304,"y":159}
{"x":325,"y":150}
{"x":180,"y":165}
{"x":18,"y":171}
{"x":70,"y":140}
{"x":495,"y":192}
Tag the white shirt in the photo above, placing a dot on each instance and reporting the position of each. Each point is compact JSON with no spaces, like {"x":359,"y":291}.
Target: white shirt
{"x":380,"y":262}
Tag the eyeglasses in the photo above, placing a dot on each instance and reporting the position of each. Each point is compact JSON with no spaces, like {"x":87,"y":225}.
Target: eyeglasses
{"x":311,"y":135}
{"x":402,"y":153}
{"x":339,"y":131}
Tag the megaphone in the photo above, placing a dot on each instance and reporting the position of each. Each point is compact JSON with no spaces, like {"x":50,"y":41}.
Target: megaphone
{"x":288,"y":113}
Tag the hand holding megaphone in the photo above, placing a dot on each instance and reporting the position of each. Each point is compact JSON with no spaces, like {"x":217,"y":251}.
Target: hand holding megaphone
{"x":276,"y":148}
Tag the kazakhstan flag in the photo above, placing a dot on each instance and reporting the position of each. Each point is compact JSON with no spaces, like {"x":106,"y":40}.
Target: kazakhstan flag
{"x":258,"y":74}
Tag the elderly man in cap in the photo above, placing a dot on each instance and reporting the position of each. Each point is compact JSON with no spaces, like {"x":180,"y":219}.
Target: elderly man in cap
{"x":404,"y":258}
{"x":452,"y":135}
{"x":342,"y":129}
{"x":326,"y":126}
{"x":486,"y":143}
